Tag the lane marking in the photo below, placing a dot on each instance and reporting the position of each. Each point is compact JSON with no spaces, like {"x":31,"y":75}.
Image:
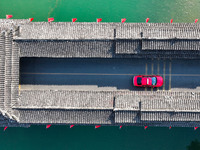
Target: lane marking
{"x":158,"y":67}
{"x":164,"y":75}
{"x":30,"y":73}
{"x":152,"y":71}
{"x":158,"y":70}
{"x":152,"y":67}
{"x":170,"y":72}
{"x":146,"y":69}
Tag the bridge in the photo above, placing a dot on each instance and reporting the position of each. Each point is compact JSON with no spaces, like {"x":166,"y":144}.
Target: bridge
{"x":82,"y":73}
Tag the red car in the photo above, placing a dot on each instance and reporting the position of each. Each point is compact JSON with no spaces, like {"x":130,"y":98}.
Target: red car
{"x":148,"y":81}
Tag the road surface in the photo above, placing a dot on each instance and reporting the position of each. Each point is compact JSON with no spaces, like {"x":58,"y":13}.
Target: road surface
{"x":114,"y":73}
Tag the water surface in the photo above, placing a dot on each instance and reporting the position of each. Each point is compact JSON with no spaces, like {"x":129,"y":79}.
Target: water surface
{"x":109,"y":138}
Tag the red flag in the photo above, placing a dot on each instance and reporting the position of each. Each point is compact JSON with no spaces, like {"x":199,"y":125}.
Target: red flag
{"x":71,"y":126}
{"x":171,"y":20}
{"x":195,"y":128}
{"x":147,"y":20}
{"x":5,"y":128}
{"x":31,"y":19}
{"x":196,"y":20}
{"x":48,"y":126}
{"x":123,"y":20}
{"x":74,"y":19}
{"x":99,"y":19}
{"x":50,"y":19}
{"x":120,"y":127}
{"x":145,"y":127}
{"x":97,"y":126}
{"x":170,"y":127}
{"x":9,"y":16}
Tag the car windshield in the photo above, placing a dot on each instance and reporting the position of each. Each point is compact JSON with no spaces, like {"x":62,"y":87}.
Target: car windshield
{"x":154,"y":80}
{"x":139,"y":81}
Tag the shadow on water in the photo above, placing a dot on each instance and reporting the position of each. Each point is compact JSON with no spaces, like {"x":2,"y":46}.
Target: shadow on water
{"x":194,"y":145}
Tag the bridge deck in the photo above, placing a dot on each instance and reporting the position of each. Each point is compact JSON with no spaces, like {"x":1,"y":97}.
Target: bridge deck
{"x":181,"y":75}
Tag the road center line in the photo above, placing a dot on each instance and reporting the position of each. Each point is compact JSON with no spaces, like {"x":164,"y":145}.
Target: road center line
{"x":164,"y":64}
{"x":170,"y":71}
{"x":146,"y":69}
{"x":104,"y":74}
{"x":158,"y":70}
{"x":152,"y":71}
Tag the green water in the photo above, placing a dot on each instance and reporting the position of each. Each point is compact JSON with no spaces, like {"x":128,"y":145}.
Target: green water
{"x":108,"y":138}
{"x":89,"y":138}
{"x":108,"y":10}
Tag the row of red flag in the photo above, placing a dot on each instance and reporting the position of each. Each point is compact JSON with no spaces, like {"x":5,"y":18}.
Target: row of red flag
{"x":71,"y":126}
{"x":98,"y":126}
{"x":98,"y":19}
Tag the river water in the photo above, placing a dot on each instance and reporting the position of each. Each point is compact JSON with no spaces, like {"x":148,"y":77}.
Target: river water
{"x":108,"y":138}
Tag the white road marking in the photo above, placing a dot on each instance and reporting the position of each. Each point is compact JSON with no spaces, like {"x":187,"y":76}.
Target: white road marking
{"x":170,"y":77}
{"x":104,"y":74}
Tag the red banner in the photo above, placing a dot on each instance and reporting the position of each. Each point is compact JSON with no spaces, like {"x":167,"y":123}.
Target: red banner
{"x":31,"y":19}
{"x":50,"y":19}
{"x":99,"y":19}
{"x":74,"y":19}
{"x":9,"y":16}
{"x":123,"y":20}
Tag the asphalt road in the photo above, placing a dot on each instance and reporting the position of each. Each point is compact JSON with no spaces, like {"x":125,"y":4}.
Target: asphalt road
{"x":117,"y":73}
